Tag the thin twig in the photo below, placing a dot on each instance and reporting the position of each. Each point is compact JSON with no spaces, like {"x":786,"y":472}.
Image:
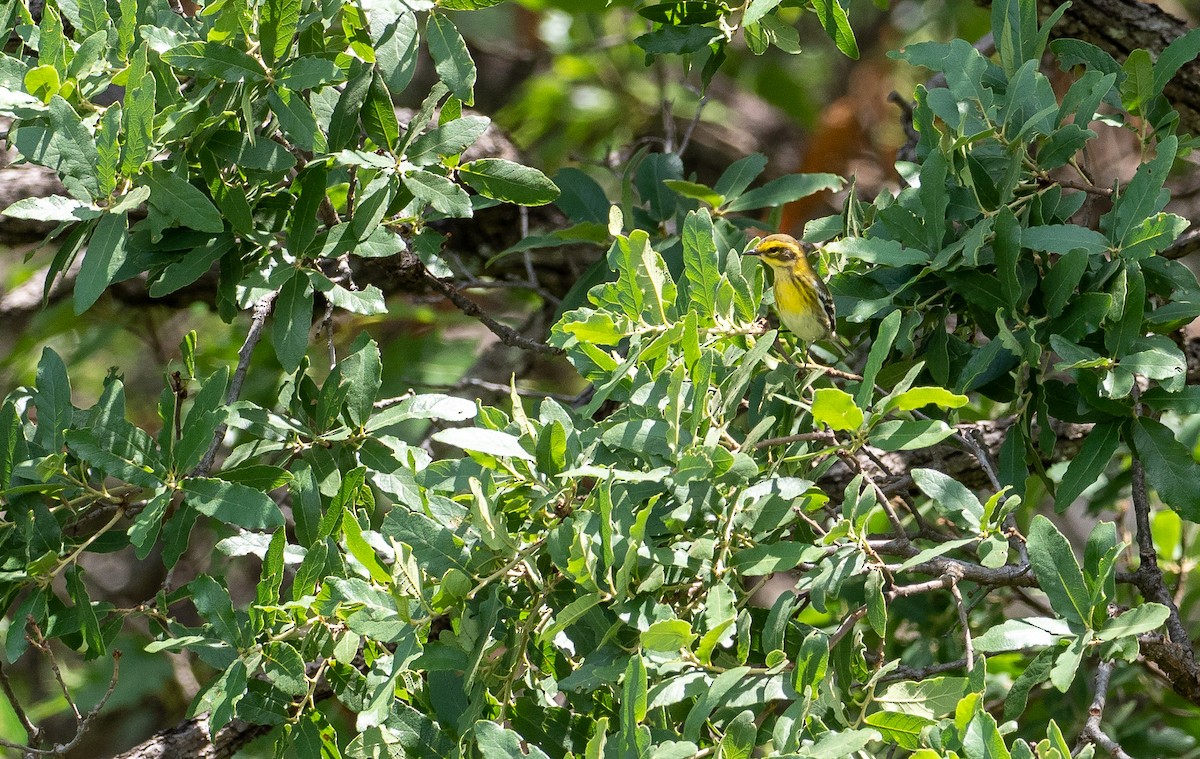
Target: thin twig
{"x":327,"y":326}
{"x":507,"y":335}
{"x":803,"y":437}
{"x":34,"y":732}
{"x":838,"y":373}
{"x":920,"y":673}
{"x":261,"y":310}
{"x":846,"y":625}
{"x":499,"y":387}
{"x":1188,"y":242}
{"x":83,"y":726}
{"x":687,"y":135}
{"x":1091,"y":189}
{"x":968,"y":645}
{"x":1092,"y":732}
{"x":1148,"y":577}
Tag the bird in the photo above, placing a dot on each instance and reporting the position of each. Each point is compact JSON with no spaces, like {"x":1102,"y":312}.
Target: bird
{"x":803,"y":301}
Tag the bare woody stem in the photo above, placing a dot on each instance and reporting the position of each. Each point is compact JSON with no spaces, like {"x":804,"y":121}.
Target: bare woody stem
{"x":262,"y":309}
{"x":507,"y":335}
{"x":1092,"y":732}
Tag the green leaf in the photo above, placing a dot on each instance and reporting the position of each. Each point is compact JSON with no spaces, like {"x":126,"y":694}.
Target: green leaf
{"x":292,"y":321}
{"x":1058,"y":572}
{"x":232,"y":503}
{"x":1182,"y":50}
{"x":451,"y":58}
{"x":882,"y":345}
{"x":52,"y":208}
{"x":668,"y":635}
{"x":700,"y":264}
{"x":1062,"y":280}
{"x":491,"y":442}
{"x":502,"y":743}
{"x":343,"y":122}
{"x":741,"y":733}
{"x":581,"y":198}
{"x":785,"y":189}
{"x":876,"y":604}
{"x":439,"y":192}
{"x":1006,"y":246}
{"x":875,"y":250}
{"x":216,"y":60}
{"x":695,"y":191}
{"x":108,"y":148}
{"x":739,"y":175}
{"x":1138,"y":87}
{"x":1160,"y":362}
{"x":835,"y":407}
{"x":93,"y":17}
{"x":361,"y":550}
{"x":448,"y":139}
{"x":1184,"y":401}
{"x":712,"y":699}
{"x":11,"y":440}
{"x":259,"y":154}
{"x":276,"y":27}
{"x":918,"y":397}
{"x":120,"y":449}
{"x":1015,"y":26}
{"x":1064,"y":238}
{"x":363,"y":372}
{"x":308,"y":73}
{"x":633,"y":693}
{"x":932,"y":698}
{"x":1018,"y":634}
{"x":368,"y":301}
{"x":768,"y":558}
{"x":1138,"y":620}
{"x":1170,"y":468}
{"x":52,"y":401}
{"x":105,"y":254}
{"x":1036,"y":673}
{"x":379,"y":115}
{"x":895,"y":727}
{"x":1141,"y":197}
{"x":43,"y":82}
{"x":511,"y":182}
{"x":677,"y":40}
{"x":953,"y":497}
{"x":180,"y":202}
{"x":143,"y":533}
{"x":65,"y":145}
{"x":897,"y":435}
{"x":1087,"y":466}
{"x":1062,"y":674}
{"x":836,"y":24}
{"x":757,"y":9}
{"x":845,"y":743}
{"x":195,"y":264}
{"x":395,"y":38}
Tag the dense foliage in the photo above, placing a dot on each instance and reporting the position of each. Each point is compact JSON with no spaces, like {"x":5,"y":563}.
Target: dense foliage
{"x":593,"y":579}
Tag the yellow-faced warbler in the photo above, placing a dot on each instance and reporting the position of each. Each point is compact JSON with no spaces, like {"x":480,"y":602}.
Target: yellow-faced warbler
{"x":801,"y":298}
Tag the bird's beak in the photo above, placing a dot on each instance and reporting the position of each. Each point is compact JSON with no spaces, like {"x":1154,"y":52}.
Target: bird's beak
{"x":753,"y":252}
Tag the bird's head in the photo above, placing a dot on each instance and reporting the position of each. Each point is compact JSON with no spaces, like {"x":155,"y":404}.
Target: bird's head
{"x":780,"y":251}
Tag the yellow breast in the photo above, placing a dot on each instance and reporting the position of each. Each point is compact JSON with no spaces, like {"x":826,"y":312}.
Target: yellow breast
{"x":799,"y":311}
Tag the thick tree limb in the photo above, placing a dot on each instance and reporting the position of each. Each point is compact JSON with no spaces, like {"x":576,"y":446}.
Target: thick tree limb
{"x":190,"y":739}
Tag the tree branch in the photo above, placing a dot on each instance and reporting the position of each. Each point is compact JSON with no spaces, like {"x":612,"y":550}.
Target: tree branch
{"x":507,"y":335}
{"x":261,"y":310}
{"x":1092,"y":732}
